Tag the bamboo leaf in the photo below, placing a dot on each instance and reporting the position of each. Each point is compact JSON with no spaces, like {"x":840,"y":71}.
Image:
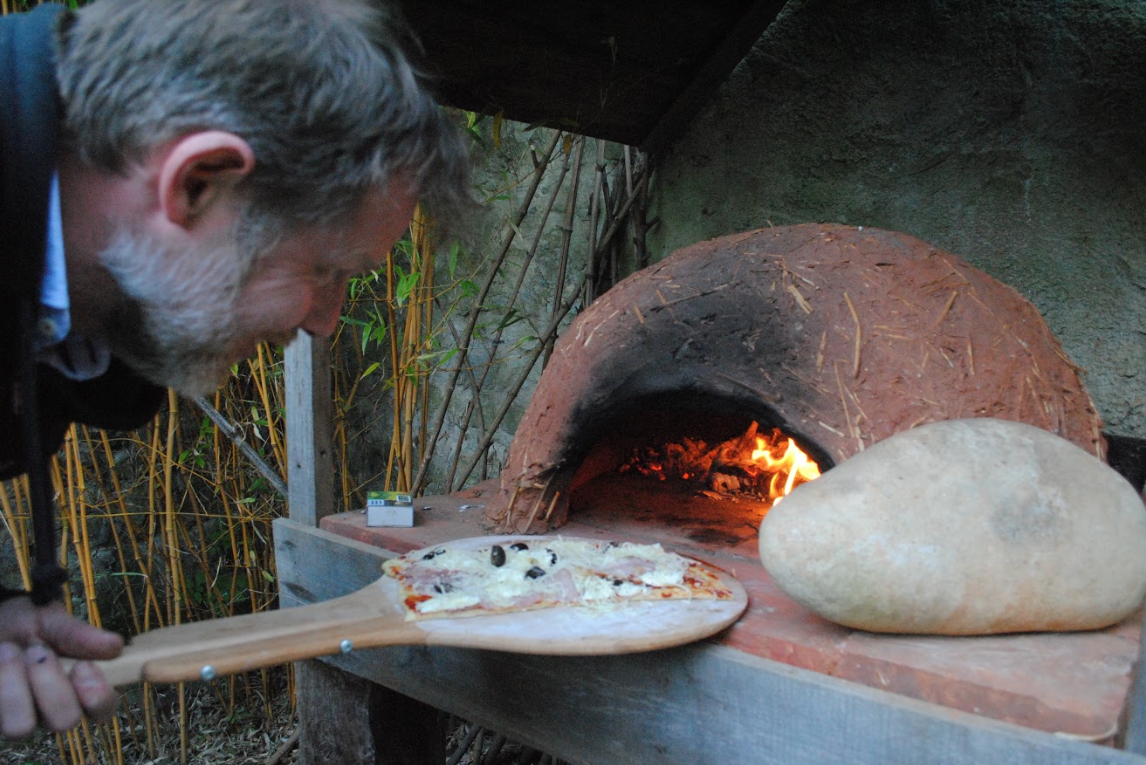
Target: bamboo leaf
{"x":406,"y":285}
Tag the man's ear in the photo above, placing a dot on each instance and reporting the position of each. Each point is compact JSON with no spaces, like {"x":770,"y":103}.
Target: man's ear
{"x":199,"y":170}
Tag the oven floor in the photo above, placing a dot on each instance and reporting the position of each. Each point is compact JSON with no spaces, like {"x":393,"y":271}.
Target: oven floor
{"x":1073,"y":683}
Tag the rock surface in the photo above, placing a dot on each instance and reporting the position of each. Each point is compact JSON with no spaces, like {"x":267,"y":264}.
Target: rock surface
{"x":963,"y":527}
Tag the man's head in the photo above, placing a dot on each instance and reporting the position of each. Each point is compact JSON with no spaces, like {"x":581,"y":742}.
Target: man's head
{"x":228,"y":144}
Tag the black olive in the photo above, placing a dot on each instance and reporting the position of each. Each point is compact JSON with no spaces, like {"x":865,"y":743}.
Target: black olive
{"x":431,"y":554}
{"x":443,"y":587}
{"x":535,"y":572}
{"x":497,"y":556}
{"x":618,"y":582}
{"x":552,"y":557}
{"x":519,"y":546}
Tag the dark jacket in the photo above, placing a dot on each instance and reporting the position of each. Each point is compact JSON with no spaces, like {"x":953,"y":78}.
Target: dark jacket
{"x":37,"y":404}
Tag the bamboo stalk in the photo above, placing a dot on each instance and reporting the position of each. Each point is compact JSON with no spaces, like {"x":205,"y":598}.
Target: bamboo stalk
{"x":423,"y":244}
{"x":594,"y":213}
{"x":259,"y":376}
{"x":566,"y":237}
{"x":391,"y":309}
{"x":16,"y":531}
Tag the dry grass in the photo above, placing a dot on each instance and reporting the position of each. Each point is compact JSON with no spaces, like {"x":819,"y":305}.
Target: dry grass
{"x":218,"y":733}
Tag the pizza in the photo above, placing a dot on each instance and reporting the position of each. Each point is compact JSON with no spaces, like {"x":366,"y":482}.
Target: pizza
{"x":542,"y":572}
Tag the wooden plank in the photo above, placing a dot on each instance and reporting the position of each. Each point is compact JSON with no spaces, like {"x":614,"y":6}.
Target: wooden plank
{"x":706,"y":704}
{"x":704,"y":86}
{"x":693,"y":705}
{"x":309,"y":429}
{"x":334,"y":716}
{"x":315,"y":565}
{"x":602,"y":68}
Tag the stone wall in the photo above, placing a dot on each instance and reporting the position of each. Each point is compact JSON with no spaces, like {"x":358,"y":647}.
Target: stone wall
{"x":1012,"y":134}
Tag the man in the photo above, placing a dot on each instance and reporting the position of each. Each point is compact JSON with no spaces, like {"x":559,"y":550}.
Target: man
{"x":182,"y":179}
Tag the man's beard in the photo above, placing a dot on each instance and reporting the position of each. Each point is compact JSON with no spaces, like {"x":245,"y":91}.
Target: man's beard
{"x":178,"y":326}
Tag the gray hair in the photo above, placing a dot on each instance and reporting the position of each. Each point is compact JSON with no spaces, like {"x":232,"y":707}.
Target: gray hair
{"x":322,"y":90}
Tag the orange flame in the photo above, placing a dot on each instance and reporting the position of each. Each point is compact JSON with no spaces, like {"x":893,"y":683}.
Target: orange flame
{"x":789,"y":469}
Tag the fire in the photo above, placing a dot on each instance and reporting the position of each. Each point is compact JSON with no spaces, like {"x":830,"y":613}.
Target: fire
{"x":788,"y":470}
{"x":769,"y":466}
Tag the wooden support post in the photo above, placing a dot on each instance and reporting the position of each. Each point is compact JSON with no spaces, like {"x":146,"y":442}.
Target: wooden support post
{"x":334,"y":716}
{"x":332,"y":705}
{"x":361,"y":723}
{"x":309,"y":429}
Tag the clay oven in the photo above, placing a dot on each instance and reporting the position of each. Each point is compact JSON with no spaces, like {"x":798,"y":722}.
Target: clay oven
{"x":839,"y":336}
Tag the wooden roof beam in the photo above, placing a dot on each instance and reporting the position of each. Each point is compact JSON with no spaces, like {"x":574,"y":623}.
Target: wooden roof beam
{"x":729,"y":53}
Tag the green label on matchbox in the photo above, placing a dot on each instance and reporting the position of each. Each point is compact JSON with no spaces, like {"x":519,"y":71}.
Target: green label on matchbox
{"x":388,"y":499}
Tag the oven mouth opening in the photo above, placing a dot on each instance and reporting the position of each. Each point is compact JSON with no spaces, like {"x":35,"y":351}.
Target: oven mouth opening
{"x":605,"y":490}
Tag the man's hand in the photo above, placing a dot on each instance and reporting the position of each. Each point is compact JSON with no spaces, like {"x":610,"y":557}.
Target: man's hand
{"x":33,"y":685}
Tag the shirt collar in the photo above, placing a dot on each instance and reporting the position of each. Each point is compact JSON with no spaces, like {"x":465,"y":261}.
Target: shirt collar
{"x":54,"y":287}
{"x":75,"y":357}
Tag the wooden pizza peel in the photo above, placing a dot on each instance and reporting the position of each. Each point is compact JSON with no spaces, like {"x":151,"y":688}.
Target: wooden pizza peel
{"x":375,"y":616}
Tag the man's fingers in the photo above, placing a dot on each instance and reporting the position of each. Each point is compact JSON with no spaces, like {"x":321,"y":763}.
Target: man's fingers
{"x":76,"y":638}
{"x":95,"y":694}
{"x":34,"y":688}
{"x":19,"y":621}
{"x":17,"y":711}
{"x":52,"y":689}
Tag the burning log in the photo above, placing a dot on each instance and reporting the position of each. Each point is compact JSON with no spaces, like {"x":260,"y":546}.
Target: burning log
{"x":768,"y":467}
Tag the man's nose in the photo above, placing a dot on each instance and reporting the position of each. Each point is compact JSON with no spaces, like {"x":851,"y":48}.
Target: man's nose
{"x":322,"y":319}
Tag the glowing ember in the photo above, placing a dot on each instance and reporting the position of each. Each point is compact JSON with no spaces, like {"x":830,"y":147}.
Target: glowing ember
{"x":767,"y":466}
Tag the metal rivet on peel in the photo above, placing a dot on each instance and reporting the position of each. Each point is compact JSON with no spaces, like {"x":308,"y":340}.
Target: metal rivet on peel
{"x":346,"y":646}
{"x":207,"y":674}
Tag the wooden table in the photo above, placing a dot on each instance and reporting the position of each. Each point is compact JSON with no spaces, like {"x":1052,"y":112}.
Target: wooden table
{"x":719,"y":701}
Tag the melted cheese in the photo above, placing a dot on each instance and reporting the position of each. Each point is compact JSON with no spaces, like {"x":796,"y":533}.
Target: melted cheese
{"x":454,"y":579}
